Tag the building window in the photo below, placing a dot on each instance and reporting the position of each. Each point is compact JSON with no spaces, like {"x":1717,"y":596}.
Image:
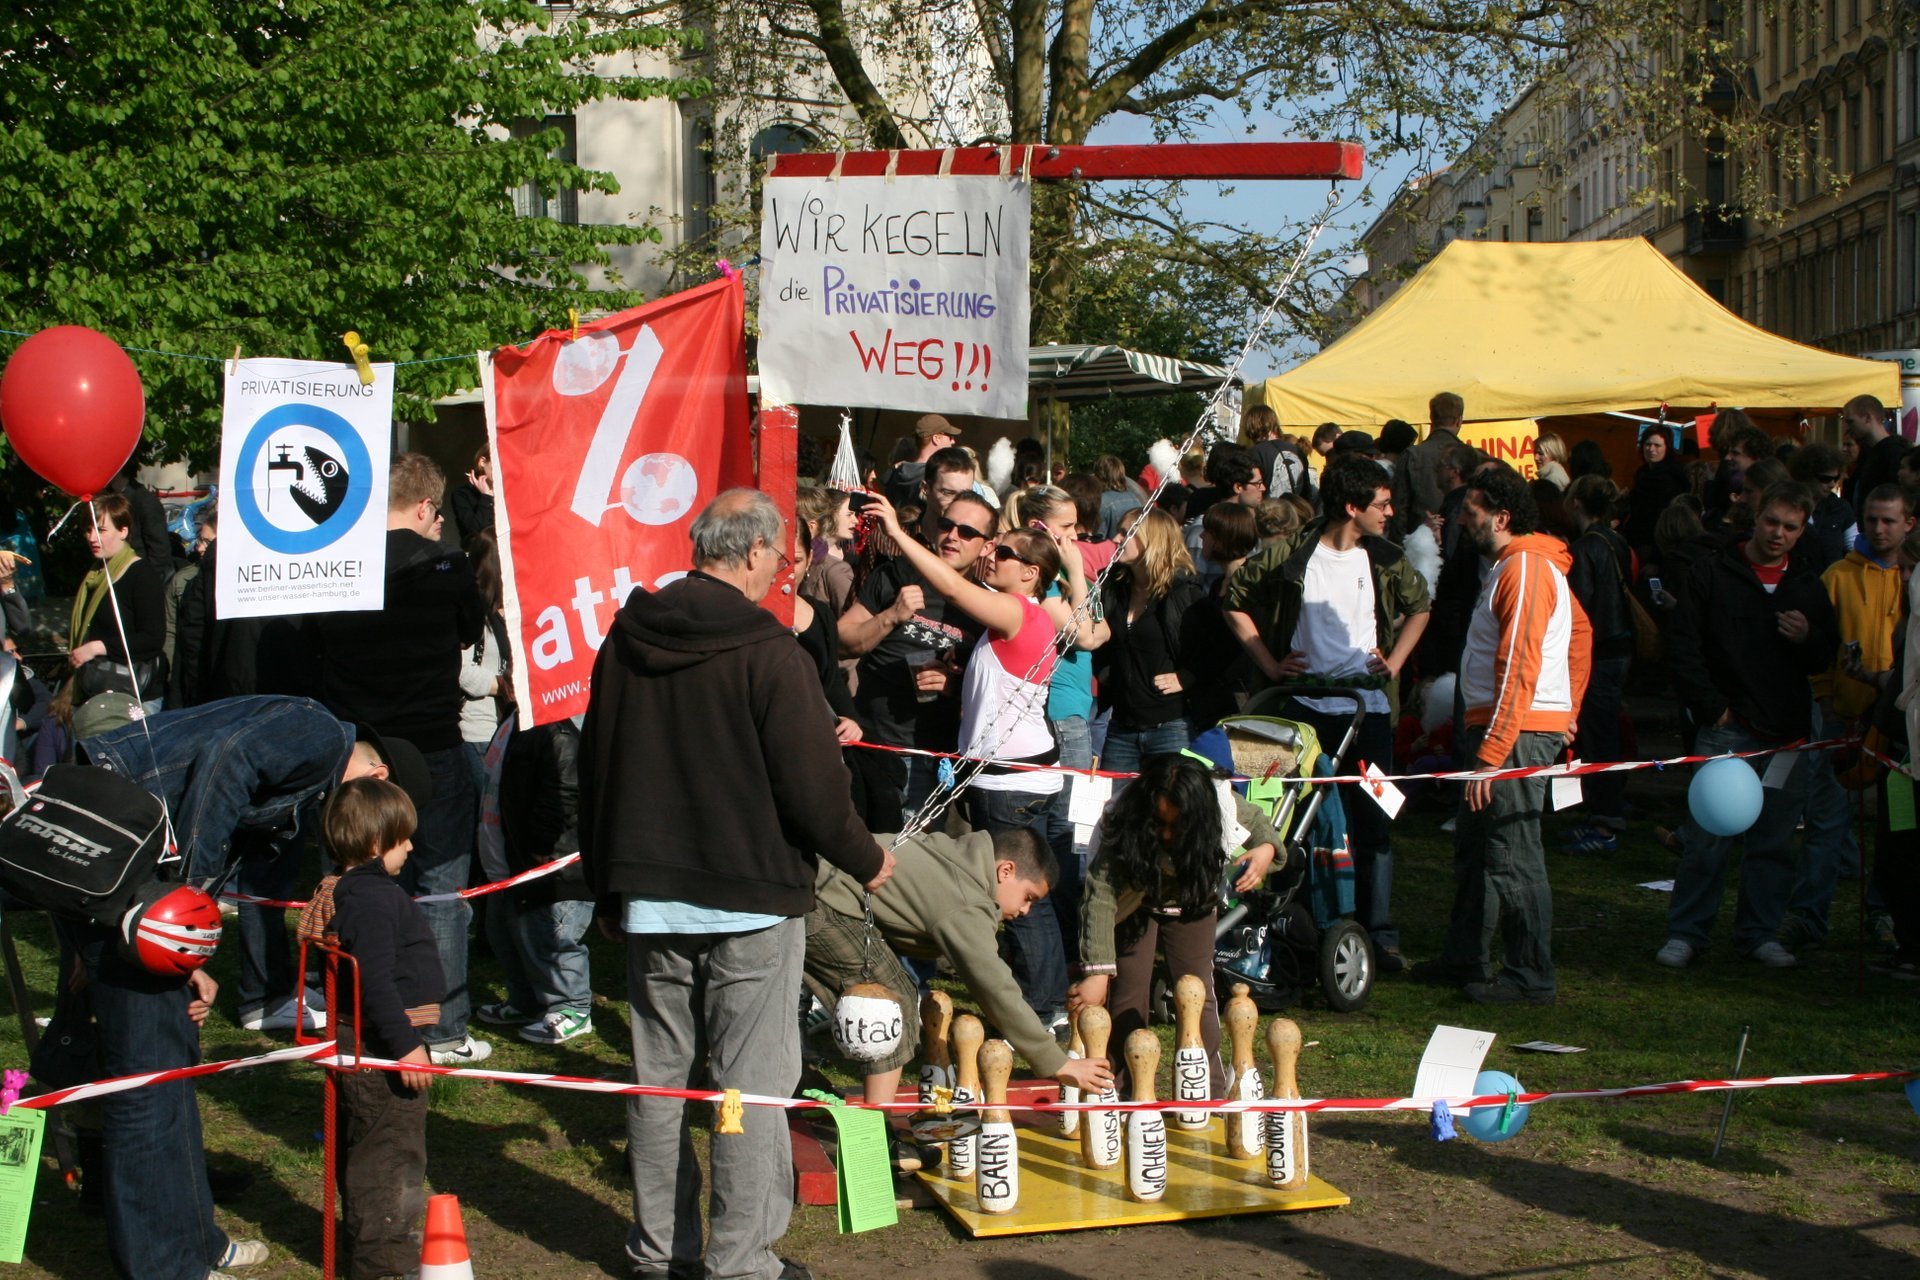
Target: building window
{"x":1906,"y":261}
{"x":1576,"y":208}
{"x":1830,"y":139}
{"x":529,"y":201}
{"x":1912,"y":128}
{"x":1876,"y":122}
{"x":1853,"y":134}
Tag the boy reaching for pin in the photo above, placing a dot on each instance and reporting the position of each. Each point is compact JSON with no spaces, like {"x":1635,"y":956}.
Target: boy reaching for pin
{"x":948,"y":897}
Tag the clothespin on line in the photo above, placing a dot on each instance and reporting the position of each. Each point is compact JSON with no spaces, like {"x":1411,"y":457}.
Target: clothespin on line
{"x":233,"y":366}
{"x":358,"y":351}
{"x":573,"y":320}
{"x":732,"y":1111}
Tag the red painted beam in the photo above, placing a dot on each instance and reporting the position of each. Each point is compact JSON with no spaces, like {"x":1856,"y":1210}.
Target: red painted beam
{"x":814,"y":1179}
{"x":1237,"y":160}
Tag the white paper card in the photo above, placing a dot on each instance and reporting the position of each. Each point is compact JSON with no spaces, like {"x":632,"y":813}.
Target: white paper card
{"x":1089,"y":798}
{"x":1779,"y":769}
{"x":1452,"y":1063}
{"x":1083,"y":833}
{"x":1383,"y":793}
{"x":1658,"y":886}
{"x":1564,"y":793}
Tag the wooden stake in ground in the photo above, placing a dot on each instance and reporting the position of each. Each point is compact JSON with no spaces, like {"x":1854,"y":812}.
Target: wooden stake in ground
{"x":997,"y":1179}
{"x":1192,"y":1072}
{"x":1245,"y":1137}
{"x":1099,"y":1130}
{"x":1286,"y":1130}
{"x":936,"y":1064}
{"x":967,"y":1037}
{"x":1146,"y":1130}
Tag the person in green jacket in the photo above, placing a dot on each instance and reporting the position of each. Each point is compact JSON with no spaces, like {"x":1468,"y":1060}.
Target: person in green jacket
{"x":948,"y":898}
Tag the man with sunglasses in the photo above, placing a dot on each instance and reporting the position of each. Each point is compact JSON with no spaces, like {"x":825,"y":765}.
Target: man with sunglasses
{"x":911,"y":642}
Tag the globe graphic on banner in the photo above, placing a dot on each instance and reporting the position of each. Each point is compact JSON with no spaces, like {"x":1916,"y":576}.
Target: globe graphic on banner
{"x":659,"y":488}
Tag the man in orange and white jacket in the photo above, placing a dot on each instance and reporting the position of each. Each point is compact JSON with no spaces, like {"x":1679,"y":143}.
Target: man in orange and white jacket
{"x":1522,"y":676}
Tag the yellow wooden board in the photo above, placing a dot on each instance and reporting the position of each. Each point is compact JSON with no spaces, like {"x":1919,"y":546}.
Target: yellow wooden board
{"x":1059,"y":1193}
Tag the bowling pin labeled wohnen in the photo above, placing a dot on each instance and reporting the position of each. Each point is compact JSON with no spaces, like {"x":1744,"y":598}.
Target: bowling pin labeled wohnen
{"x":1070,"y":1120}
{"x":936,"y":1064}
{"x":996,"y":1179}
{"x":1286,"y":1130}
{"x":1246,"y":1131}
{"x":1192,"y":1069}
{"x":1099,"y":1130}
{"x":1146,"y":1130}
{"x":968,"y":1035}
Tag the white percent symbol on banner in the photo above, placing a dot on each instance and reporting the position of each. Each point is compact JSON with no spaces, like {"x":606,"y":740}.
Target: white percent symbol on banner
{"x":655,"y":480}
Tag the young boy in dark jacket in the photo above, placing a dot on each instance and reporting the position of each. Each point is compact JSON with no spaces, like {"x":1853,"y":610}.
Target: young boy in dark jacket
{"x":368,"y":829}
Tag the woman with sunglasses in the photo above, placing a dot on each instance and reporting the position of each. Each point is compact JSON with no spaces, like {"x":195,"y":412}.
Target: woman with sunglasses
{"x":1142,"y":675}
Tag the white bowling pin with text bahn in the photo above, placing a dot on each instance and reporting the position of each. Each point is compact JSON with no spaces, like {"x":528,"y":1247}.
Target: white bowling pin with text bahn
{"x":996,"y":1179}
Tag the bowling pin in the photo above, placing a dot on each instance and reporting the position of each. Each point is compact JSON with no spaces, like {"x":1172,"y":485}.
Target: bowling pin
{"x":1245,"y":1137}
{"x":1099,"y":1130}
{"x":967,"y":1037}
{"x":1192,"y":1072}
{"x":1286,"y":1130}
{"x":1070,"y":1120}
{"x":936,"y":1065}
{"x":1146,"y":1130}
{"x":996,"y":1180}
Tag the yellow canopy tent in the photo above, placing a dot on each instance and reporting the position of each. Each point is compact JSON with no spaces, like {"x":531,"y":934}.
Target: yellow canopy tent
{"x":1545,"y":330}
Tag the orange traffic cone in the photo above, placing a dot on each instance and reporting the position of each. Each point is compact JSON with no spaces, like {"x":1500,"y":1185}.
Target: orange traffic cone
{"x":443,"y":1253}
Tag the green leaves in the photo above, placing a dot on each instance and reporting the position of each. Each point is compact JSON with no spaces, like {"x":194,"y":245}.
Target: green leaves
{"x":188,"y":175}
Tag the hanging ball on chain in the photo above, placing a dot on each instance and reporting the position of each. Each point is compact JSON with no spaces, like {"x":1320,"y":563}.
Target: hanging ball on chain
{"x":867,"y":1024}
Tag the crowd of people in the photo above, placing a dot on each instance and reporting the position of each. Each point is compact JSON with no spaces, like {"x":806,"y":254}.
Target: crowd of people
{"x":1455,"y":612}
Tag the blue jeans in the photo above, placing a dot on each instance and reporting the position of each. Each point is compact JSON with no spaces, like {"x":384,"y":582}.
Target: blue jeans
{"x":266,"y":956}
{"x":541,"y":953}
{"x":1076,"y":752}
{"x":1766,"y":877}
{"x":1605,"y":794}
{"x":1830,"y":849}
{"x":1035,"y":951}
{"x":1126,"y":748}
{"x":442,"y":857}
{"x":159,"y":1213}
{"x":1368,"y":826}
{"x":923,"y":778}
{"x":1500,"y":874}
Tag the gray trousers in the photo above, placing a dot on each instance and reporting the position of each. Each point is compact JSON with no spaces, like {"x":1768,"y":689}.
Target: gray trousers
{"x":713,"y":1011}
{"x":1500,"y":873}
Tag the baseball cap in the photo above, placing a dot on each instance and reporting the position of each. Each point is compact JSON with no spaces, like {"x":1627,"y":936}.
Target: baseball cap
{"x":406,"y":767}
{"x":930,"y":425}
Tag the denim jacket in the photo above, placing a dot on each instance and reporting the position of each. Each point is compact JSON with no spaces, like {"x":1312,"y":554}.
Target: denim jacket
{"x":239,"y":765}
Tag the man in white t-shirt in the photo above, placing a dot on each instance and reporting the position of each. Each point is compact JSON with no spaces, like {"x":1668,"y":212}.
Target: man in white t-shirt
{"x":1346,"y":608}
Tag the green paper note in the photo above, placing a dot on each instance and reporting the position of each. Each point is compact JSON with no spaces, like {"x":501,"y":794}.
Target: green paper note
{"x":1266,"y":792}
{"x":21,"y":1130}
{"x":1899,"y":802}
{"x":865,"y":1181}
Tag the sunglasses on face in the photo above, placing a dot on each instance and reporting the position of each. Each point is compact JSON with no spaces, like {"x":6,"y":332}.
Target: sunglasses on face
{"x":1004,"y":554}
{"x":966,"y":531}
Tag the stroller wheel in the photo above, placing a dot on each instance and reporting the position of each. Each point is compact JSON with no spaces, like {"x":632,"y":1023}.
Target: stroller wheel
{"x":1346,"y":966}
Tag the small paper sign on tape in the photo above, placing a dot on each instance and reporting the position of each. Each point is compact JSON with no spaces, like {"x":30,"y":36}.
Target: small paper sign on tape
{"x":865,"y":1181}
{"x":21,"y":1131}
{"x":1566,"y":790}
{"x":1383,"y":793}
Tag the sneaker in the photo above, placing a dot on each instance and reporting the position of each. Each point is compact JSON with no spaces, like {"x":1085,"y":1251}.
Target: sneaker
{"x":1592,"y":839}
{"x":1677,"y":954}
{"x":464,"y":1052}
{"x":503,"y":1014}
{"x":908,"y":1156}
{"x":1388,"y":960}
{"x":1773,"y":955}
{"x":1799,"y":931}
{"x":557,"y":1027}
{"x":1498,"y":992}
{"x":313,"y":1016}
{"x":1449,"y":825}
{"x":1881,"y":927}
{"x":244,"y":1253}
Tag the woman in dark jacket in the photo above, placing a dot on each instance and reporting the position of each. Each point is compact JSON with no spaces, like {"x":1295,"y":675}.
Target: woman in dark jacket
{"x":104,"y":657}
{"x":1660,"y":479}
{"x":1602,"y":567}
{"x":1142,"y":670}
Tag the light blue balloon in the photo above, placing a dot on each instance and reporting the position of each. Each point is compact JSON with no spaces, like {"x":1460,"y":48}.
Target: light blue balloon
{"x":1913,"y":1094}
{"x":1484,"y":1123}
{"x":1725,"y":797}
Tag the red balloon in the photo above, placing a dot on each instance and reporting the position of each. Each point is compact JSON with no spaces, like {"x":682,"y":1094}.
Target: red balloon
{"x":72,"y":405}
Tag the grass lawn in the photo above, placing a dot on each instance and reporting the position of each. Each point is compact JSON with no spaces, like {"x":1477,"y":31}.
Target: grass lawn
{"x":1811,"y":1180}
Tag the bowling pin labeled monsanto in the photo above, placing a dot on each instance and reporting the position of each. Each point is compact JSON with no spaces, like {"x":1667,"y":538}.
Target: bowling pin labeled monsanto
{"x":1246,"y":1136}
{"x":1099,"y":1130}
{"x":1070,"y":1120}
{"x":936,"y":1065}
{"x":1286,"y":1130}
{"x":967,"y":1037}
{"x":1146,"y":1130}
{"x":996,"y":1181}
{"x":1192,"y":1072}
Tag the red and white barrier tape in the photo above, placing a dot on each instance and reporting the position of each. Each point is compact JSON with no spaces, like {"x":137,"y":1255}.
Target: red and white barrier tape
{"x":120,"y":1084}
{"x":478,"y":891}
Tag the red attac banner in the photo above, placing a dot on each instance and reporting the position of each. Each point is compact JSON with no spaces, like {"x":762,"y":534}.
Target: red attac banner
{"x":605,"y":446}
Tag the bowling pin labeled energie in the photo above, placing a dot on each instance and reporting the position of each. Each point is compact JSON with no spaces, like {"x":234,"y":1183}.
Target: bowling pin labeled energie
{"x":1099,"y":1130}
{"x":1070,"y":1120}
{"x":967,"y":1037}
{"x":1286,"y":1130}
{"x":1146,"y":1130}
{"x":936,"y":1064}
{"x":1192,"y":1072}
{"x":1245,"y":1131}
{"x":996,"y":1181}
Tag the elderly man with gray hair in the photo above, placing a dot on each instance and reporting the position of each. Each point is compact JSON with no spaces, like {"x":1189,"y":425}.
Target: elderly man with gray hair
{"x":710,"y":781}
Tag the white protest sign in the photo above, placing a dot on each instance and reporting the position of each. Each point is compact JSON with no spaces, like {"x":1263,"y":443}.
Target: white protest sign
{"x":303,"y":488}
{"x":909,"y":293}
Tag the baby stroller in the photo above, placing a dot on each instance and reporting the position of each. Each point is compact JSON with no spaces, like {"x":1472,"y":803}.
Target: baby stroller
{"x":1294,"y":930}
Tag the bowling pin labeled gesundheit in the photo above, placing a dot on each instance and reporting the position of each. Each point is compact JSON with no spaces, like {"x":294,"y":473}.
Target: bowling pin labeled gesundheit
{"x":996,"y":1179}
{"x":1070,"y":1120}
{"x":967,"y":1037}
{"x":1146,"y":1130}
{"x":1246,"y":1131}
{"x":1286,"y":1130}
{"x":1192,"y":1072}
{"x":936,"y":1064}
{"x":1099,"y":1130}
